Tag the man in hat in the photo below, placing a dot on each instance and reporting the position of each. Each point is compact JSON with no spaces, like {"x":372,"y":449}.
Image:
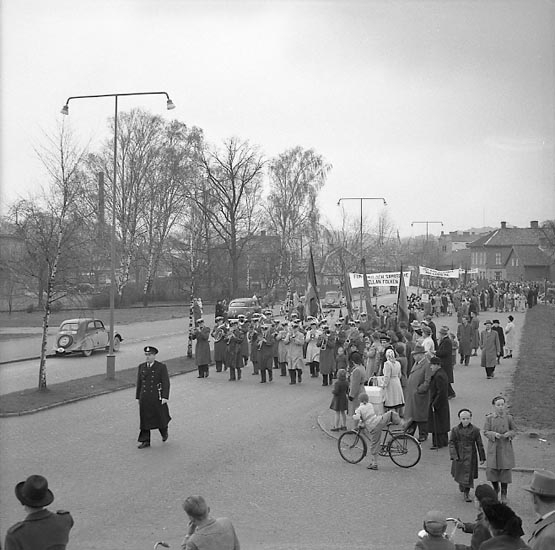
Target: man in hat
{"x":41,"y":528}
{"x":202,"y":348}
{"x":265,"y":345}
{"x":445,"y":353}
{"x":489,"y":344}
{"x":464,"y":336}
{"x":427,"y":340}
{"x":542,"y":490}
{"x":294,"y":339}
{"x":365,"y":324}
{"x":417,"y":394}
{"x":218,"y":333}
{"x":233,"y":359}
{"x":153,"y":393}
{"x":501,"y":334}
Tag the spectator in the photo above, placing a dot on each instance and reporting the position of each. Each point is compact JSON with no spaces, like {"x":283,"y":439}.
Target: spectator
{"x":499,"y":329}
{"x":438,"y":419}
{"x":465,"y":448}
{"x":509,"y":337}
{"x":51,"y":529}
{"x":542,"y":490}
{"x":205,"y":532}
{"x":435,"y":525}
{"x":489,"y":344}
{"x":505,"y":527}
{"x":356,"y":386}
{"x":465,"y":336}
{"x":393,"y":391}
{"x":340,"y":402}
{"x":479,"y":529}
{"x":499,"y":430}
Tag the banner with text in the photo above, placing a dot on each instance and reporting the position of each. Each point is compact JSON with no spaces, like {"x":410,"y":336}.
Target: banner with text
{"x":379,"y":279}
{"x":450,"y":274}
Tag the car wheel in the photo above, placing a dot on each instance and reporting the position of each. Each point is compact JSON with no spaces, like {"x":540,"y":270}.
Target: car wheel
{"x":117,"y":343}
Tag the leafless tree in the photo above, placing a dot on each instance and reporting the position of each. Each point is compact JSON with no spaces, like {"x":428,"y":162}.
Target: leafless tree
{"x":233,"y":182}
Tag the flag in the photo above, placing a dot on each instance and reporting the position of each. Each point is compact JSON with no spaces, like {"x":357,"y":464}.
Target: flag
{"x":402,"y":301}
{"x":348,"y":291}
{"x":312,"y":302}
{"x":367,"y":297}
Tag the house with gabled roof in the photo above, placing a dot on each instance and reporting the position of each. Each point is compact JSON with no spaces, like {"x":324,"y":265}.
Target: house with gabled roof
{"x":514,"y":254}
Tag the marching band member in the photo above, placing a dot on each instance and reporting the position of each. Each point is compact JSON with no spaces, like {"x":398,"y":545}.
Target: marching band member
{"x":266,"y":352}
{"x":326,"y":343}
{"x":202,"y":348}
{"x":218,"y":333}
{"x":282,"y":347}
{"x":244,"y":327}
{"x":233,"y":358}
{"x":252,"y":335}
{"x":294,"y":339}
{"x":312,"y":349}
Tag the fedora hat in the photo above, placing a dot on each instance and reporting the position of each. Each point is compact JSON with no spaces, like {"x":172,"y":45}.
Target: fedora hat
{"x":543,"y":483}
{"x":419,"y":348}
{"x":34,"y":492}
{"x":444,"y":330}
{"x":415,"y":324}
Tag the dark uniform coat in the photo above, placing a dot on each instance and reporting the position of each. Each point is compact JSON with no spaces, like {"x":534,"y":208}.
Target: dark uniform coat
{"x":444,"y":351}
{"x":153,"y":384}
{"x":40,"y":530}
{"x":417,"y":391}
{"x":465,"y":336}
{"x":465,"y":447}
{"x":439,"y":421}
{"x":326,"y":342}
{"x":202,"y":348}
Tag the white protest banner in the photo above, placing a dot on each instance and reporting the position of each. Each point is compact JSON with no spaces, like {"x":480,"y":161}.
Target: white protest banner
{"x":450,"y":274}
{"x":379,"y":279}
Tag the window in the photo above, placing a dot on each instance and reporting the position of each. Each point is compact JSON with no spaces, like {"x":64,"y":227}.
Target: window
{"x":516,"y":263}
{"x":498,"y":258}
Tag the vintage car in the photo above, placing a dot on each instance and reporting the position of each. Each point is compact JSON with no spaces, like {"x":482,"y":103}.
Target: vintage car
{"x":332,"y":298}
{"x":243,"y":306}
{"x":83,"y":336}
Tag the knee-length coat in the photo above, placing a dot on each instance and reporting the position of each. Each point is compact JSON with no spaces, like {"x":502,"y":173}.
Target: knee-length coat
{"x":510,"y":335}
{"x":340,"y":401}
{"x":153,"y":384}
{"x":464,"y":335}
{"x":500,"y":454}
{"x":445,"y":352}
{"x":489,"y":344}
{"x":202,"y":348}
{"x":417,"y":391}
{"x":327,"y":353}
{"x":475,"y":324}
{"x":465,"y":448}
{"x":439,"y":420}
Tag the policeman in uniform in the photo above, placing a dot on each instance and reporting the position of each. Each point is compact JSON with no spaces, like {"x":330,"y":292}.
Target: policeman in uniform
{"x":41,"y":528}
{"x":153,"y":393}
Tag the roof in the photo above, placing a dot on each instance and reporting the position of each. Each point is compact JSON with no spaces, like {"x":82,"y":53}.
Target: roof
{"x":532,"y":256}
{"x":511,"y":236}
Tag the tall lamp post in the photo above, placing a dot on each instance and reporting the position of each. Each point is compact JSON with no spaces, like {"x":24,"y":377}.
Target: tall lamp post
{"x":111,"y":358}
{"x":361,"y":199}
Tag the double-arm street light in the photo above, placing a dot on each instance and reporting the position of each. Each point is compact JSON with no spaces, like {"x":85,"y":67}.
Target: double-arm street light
{"x":427,"y":222}
{"x":111,"y":358}
{"x":361,"y":199}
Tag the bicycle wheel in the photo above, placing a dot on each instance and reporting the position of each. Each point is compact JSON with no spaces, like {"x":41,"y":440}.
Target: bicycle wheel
{"x":404,"y":450}
{"x":352,"y":447}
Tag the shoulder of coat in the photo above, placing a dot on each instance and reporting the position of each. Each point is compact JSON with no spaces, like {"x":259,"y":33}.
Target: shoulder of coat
{"x":15,"y":527}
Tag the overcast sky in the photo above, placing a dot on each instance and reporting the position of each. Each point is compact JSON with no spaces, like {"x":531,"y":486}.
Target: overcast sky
{"x":445,"y":108}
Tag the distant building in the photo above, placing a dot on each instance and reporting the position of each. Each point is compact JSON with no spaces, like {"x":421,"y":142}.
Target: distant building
{"x":513,"y":253}
{"x":453,"y":247}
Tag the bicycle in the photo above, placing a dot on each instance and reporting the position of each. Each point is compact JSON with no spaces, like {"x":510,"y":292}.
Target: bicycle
{"x":403,"y":449}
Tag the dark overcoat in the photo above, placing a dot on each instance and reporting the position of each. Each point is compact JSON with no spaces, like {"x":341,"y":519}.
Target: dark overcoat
{"x":417,"y":391}
{"x":465,"y":335}
{"x":327,"y":353}
{"x":340,"y":401}
{"x":41,"y":529}
{"x":444,"y":351}
{"x":202,"y":348}
{"x":153,"y":384}
{"x":439,"y":421}
{"x":465,"y":448}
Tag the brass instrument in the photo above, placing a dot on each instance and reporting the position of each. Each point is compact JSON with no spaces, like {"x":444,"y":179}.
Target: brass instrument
{"x":262,"y":340}
{"x":325,"y":339}
{"x":218,"y":332}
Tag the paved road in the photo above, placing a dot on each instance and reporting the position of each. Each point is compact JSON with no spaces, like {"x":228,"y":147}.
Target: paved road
{"x":255,"y":451}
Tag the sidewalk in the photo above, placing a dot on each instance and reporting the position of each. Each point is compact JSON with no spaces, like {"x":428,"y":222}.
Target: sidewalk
{"x":532,"y":450}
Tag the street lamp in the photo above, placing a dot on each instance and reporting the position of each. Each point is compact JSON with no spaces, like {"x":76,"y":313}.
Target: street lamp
{"x":111,"y":358}
{"x":361,"y":199}
{"x":427,"y":222}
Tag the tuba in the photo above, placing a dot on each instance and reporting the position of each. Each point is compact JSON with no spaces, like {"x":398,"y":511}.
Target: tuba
{"x":218,"y":333}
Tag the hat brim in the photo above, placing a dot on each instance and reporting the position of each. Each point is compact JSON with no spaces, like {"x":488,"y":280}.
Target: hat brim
{"x":45,"y":501}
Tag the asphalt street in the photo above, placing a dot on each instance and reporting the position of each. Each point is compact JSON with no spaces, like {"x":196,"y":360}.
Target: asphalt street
{"x":255,"y":451}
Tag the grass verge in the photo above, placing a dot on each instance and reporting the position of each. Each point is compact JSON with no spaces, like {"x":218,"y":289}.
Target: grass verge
{"x":533,"y":392}
{"x":32,"y":400}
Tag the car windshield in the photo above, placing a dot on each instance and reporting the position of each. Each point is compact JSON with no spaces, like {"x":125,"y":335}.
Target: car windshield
{"x":332,"y":294}
{"x":70,"y":327}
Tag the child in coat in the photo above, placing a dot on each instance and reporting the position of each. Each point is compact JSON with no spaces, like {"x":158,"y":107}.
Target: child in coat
{"x":340,"y":401}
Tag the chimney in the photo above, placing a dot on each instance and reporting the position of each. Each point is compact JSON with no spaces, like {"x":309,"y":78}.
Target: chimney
{"x":534,"y":224}
{"x":503,"y":225}
{"x":101,"y":198}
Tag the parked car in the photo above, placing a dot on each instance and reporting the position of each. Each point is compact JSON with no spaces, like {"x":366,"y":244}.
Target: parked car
{"x":84,"y":336}
{"x":332,"y":298}
{"x":243,"y":306}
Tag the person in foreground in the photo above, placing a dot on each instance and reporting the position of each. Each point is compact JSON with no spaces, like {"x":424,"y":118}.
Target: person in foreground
{"x":372,"y":425}
{"x":41,"y":529}
{"x":542,"y":490}
{"x":153,"y":393}
{"x":203,"y":531}
{"x":433,"y":537}
{"x":505,"y":528}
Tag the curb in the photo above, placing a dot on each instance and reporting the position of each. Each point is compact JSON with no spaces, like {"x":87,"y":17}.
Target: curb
{"x":333,"y":436}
